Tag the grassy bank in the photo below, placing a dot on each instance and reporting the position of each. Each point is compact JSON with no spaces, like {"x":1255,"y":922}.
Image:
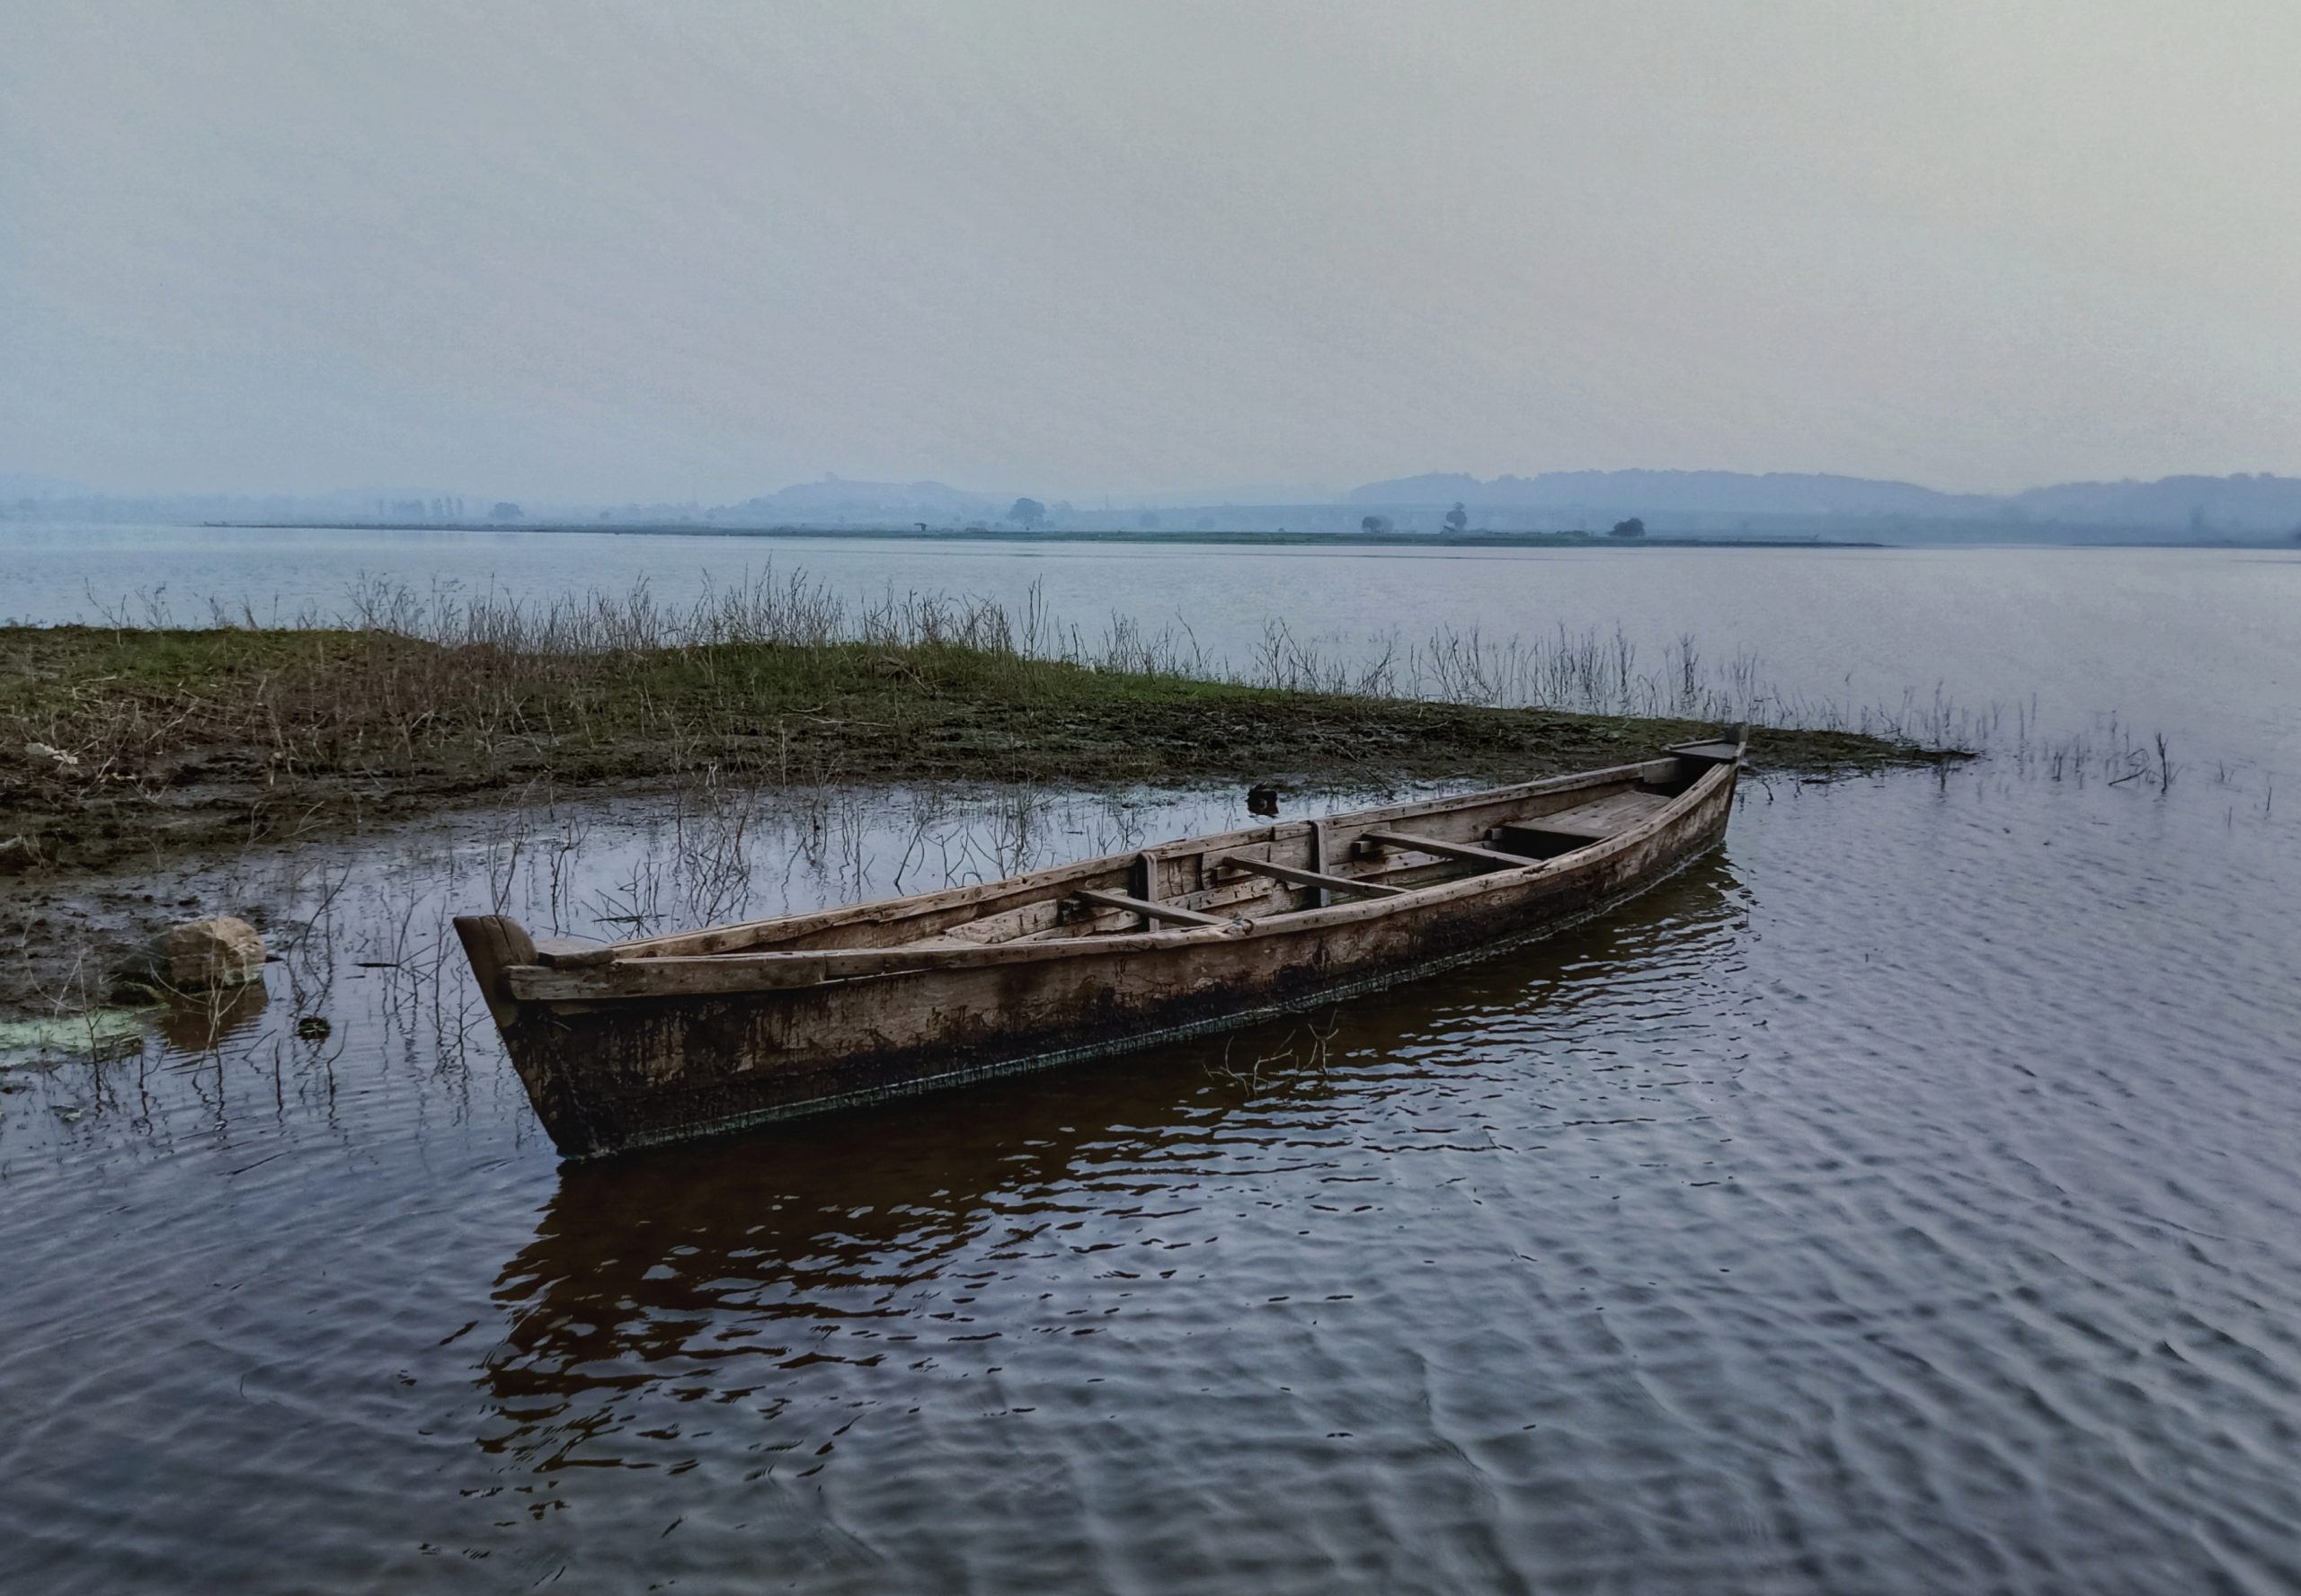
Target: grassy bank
{"x":119,"y":743}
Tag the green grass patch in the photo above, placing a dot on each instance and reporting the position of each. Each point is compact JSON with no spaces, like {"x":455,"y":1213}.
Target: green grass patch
{"x":117,"y":741}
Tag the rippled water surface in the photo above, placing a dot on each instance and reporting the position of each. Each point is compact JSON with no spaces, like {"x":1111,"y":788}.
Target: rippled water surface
{"x":1908,"y":1198}
{"x":1905,"y":1199}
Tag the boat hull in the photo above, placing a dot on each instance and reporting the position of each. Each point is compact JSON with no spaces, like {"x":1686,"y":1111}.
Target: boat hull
{"x":611,"y":1074}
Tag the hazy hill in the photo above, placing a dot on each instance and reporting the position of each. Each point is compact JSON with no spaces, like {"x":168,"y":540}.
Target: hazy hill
{"x":1776,"y":492}
{"x":2213,"y":504}
{"x":15,"y":484}
{"x":834,"y":498}
{"x":2262,"y":503}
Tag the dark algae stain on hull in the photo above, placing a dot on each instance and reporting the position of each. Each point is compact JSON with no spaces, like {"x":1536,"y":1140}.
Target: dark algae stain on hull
{"x":695,"y":1034}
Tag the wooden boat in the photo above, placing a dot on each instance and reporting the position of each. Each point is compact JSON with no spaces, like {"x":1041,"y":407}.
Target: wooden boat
{"x":651,"y":1041}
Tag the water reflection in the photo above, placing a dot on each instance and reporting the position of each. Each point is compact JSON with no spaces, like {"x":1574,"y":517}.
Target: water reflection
{"x":752,"y":1265}
{"x":1903,"y":1199}
{"x":799,"y":1246}
{"x":203,"y":1025}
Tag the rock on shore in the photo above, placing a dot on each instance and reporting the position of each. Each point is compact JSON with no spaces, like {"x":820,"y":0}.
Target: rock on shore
{"x":200,"y":955}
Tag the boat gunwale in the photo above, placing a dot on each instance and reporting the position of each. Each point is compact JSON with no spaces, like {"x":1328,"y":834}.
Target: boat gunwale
{"x":675,"y":975}
{"x":667,"y":945}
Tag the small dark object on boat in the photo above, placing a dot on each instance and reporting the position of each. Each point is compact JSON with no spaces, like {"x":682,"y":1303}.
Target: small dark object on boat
{"x":628,"y":1044}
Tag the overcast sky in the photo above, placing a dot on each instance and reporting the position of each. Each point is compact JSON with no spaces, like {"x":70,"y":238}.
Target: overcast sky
{"x":656,"y":250}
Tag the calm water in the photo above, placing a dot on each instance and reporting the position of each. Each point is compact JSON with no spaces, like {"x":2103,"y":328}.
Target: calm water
{"x":1906,"y":1201}
{"x":2202,"y":643}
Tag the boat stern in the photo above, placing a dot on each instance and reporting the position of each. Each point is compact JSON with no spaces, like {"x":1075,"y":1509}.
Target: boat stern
{"x":1697,"y":760}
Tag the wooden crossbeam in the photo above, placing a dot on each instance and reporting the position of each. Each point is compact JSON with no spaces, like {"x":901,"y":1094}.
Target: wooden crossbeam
{"x":1469,"y":853}
{"x":1307,"y":878}
{"x":1144,"y":907}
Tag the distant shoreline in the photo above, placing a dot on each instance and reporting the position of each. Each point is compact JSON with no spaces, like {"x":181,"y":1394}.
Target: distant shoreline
{"x":961,"y":534}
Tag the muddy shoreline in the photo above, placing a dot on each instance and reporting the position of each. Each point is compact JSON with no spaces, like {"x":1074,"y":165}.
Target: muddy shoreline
{"x":133,"y":763}
{"x":68,"y":930}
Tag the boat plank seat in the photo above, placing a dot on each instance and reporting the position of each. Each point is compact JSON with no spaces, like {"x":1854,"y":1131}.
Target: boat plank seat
{"x":1295,"y":876}
{"x":1607,"y":816}
{"x":1146,"y":908}
{"x":1469,"y":853}
{"x":573,"y":952}
{"x":1547,"y":836}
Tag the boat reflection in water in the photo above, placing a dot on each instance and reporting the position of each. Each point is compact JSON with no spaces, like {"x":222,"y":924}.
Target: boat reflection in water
{"x":814,"y":1270}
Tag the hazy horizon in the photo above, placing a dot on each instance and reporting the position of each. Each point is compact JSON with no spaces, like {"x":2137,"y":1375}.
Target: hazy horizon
{"x":619,"y":255}
{"x":1679,"y":488}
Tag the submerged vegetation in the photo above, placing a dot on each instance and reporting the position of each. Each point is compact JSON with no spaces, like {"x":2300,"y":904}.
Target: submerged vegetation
{"x":124,"y":740}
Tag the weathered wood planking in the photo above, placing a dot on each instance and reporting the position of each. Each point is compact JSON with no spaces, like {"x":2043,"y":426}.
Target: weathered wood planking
{"x":664,"y":1037}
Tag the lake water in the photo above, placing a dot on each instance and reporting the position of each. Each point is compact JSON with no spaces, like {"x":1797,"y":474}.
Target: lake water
{"x":1905,"y":1200}
{"x":2202,"y":643}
